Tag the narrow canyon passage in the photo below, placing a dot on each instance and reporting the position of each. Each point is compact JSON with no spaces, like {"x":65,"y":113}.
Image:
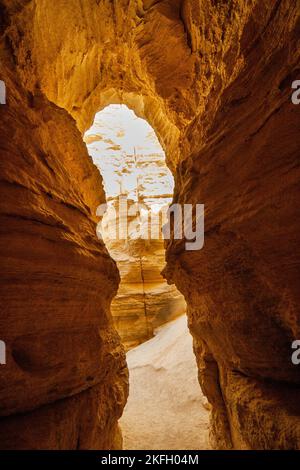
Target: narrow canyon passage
{"x":218,"y":82}
{"x":166,"y":408}
{"x":132,"y":163}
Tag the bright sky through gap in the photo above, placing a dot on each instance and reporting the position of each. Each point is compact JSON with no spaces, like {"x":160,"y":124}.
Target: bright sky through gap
{"x":122,"y":127}
{"x":116,"y":134}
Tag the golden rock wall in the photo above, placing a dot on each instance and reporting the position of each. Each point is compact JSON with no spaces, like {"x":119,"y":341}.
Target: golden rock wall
{"x":213,"y":79}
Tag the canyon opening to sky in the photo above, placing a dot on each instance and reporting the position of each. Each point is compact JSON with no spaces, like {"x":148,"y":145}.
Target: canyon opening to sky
{"x":132,"y":163}
{"x":219,"y":83}
{"x":165,"y":407}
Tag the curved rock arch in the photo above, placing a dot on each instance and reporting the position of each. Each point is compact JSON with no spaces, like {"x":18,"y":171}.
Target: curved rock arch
{"x":215,"y":81}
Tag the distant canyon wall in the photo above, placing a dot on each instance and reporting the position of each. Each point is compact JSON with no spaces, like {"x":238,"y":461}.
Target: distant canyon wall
{"x":128,"y":155}
{"x":214,"y":80}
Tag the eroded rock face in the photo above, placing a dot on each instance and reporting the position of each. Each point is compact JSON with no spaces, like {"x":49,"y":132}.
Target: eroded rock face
{"x":213,"y":79}
{"x":144,"y":300}
{"x":65,"y":368}
{"x":129,"y":157}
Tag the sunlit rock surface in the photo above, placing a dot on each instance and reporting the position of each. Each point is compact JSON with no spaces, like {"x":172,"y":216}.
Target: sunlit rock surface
{"x":132,"y":164}
{"x":214,"y":80}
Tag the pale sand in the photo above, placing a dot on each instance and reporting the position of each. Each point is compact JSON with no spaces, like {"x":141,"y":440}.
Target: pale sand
{"x":165,"y":409}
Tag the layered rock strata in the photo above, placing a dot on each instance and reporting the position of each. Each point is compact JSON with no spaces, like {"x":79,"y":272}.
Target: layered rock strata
{"x":214,"y":80}
{"x":64,"y":384}
{"x":145,"y":184}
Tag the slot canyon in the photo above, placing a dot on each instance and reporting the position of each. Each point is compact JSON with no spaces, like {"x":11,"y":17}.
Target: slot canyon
{"x":213,"y":79}
{"x":139,"y":174}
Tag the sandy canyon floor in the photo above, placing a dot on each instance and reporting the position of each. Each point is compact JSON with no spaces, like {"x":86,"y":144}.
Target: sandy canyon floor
{"x":166,"y":408}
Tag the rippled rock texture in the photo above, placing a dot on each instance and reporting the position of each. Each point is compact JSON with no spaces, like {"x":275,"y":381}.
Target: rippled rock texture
{"x":214,"y":80}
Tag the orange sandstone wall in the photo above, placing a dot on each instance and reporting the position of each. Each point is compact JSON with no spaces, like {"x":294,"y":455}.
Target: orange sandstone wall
{"x":65,"y":382}
{"x":213,"y":79}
